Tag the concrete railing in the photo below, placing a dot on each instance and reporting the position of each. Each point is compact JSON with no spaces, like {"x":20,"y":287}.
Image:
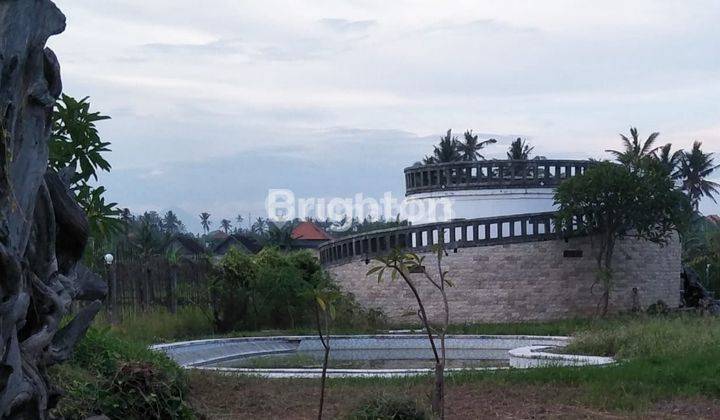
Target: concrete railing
{"x":491,"y":174}
{"x":454,"y":234}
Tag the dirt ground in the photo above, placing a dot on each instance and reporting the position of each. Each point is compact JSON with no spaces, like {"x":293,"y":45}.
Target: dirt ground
{"x":223,"y":397}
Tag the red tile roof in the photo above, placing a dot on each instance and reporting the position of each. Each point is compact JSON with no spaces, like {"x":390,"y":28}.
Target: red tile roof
{"x":310,"y":232}
{"x":714,"y":218}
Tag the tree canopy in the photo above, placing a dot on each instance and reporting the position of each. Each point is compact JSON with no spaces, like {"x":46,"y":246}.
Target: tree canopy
{"x":611,"y":201}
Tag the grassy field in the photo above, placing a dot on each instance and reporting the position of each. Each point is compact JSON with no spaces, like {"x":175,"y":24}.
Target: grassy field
{"x":664,"y":361}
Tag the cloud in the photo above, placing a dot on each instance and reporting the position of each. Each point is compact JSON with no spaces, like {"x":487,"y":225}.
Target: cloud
{"x":220,"y":46}
{"x":344,"y":25}
{"x":369,"y":86}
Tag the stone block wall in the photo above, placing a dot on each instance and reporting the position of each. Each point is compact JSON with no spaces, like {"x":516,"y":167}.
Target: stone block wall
{"x":531,"y":281}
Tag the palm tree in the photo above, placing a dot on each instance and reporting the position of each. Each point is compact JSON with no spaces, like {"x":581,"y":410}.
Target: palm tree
{"x":126,"y":216}
{"x":239,"y":219}
{"x":668,"y":162}
{"x":280,"y":236}
{"x":470,"y":148}
{"x":205,"y":221}
{"x":428,"y":160}
{"x":635,"y":151}
{"x":171,"y":223}
{"x":695,"y":167}
{"x":260,"y":226}
{"x":447,"y":149}
{"x":519,"y":150}
{"x":225,"y":225}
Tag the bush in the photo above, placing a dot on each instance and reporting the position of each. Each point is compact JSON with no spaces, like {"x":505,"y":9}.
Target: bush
{"x":275,"y":290}
{"x":389,"y":408}
{"x":121,"y":379}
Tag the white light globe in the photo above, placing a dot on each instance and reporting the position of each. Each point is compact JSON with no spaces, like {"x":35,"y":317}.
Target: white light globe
{"x":109,"y":258}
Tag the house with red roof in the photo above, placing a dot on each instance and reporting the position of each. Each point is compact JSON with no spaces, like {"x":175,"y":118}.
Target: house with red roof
{"x":308,"y":235}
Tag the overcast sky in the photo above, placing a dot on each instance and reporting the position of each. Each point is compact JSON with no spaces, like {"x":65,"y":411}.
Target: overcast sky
{"x":215,"y":102}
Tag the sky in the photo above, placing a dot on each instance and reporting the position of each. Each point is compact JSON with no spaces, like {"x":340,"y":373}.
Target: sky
{"x":213,"y":103}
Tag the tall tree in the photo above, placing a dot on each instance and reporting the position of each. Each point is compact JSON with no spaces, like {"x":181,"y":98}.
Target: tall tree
{"x":428,"y":160}
{"x":612,"y":202}
{"x":280,"y":235}
{"x":519,"y":150}
{"x":205,"y":221}
{"x":260,"y":226}
{"x":470,"y":148}
{"x":447,"y":150}
{"x":668,"y":161}
{"x":225,"y":225}
{"x":636,"y":151}
{"x":695,"y":168}
{"x":239,"y":219}
{"x":171,"y":224}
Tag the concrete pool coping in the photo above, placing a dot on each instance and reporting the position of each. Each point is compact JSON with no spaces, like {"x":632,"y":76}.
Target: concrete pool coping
{"x":523,"y":351}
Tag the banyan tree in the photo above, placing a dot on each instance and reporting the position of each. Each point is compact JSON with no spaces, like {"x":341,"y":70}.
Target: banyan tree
{"x":43,"y":230}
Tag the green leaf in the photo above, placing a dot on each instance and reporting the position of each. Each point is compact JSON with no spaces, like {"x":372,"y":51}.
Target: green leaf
{"x":320,"y":302}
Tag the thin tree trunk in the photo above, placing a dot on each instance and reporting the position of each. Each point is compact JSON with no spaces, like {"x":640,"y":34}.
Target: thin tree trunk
{"x":173,"y":289}
{"x":146,"y":289}
{"x":437,"y":400}
{"x":438,"y":397}
{"x":326,"y":345}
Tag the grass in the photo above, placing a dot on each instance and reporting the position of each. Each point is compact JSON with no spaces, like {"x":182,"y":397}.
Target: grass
{"x":661,"y":357}
{"x":120,"y":378}
{"x":158,"y":325}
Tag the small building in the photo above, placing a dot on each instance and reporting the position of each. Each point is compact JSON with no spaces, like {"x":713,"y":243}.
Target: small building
{"x":308,"y":235}
{"x":185,"y":246}
{"x":242,"y":243}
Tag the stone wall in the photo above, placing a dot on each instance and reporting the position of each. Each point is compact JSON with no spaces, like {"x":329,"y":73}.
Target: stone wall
{"x":523,"y":282}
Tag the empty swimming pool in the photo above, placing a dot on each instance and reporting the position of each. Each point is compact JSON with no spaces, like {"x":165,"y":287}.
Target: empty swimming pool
{"x":367,"y":355}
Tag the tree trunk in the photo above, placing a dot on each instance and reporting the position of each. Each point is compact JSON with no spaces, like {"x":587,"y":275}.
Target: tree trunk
{"x":322,"y":380}
{"x":438,"y":396}
{"x":43,"y":231}
{"x":173,"y":289}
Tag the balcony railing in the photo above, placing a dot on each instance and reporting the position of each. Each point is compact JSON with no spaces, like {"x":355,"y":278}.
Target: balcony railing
{"x":454,"y":234}
{"x":491,"y":174}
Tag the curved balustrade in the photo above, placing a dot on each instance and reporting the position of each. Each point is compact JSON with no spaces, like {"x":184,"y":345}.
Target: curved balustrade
{"x":462,"y":233}
{"x":495,"y":174}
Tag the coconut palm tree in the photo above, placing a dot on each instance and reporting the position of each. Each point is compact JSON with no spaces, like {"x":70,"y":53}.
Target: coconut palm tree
{"x":667,"y":161}
{"x":170,"y":223}
{"x":635,"y":151}
{"x":428,"y":160}
{"x":260,"y":226}
{"x":280,"y":235}
{"x":205,"y":221}
{"x":469,"y":149}
{"x":519,"y":150}
{"x":695,"y":167}
{"x":447,"y":149}
{"x":239,"y":219}
{"x":225,"y":225}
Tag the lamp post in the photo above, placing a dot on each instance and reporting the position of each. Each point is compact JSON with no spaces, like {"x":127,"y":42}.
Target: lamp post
{"x":112,"y":288}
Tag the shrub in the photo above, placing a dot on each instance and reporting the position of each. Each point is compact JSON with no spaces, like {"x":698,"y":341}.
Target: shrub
{"x":231,"y":289}
{"x":142,"y":390}
{"x":389,"y":408}
{"x":121,"y":379}
{"x":273,"y":289}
